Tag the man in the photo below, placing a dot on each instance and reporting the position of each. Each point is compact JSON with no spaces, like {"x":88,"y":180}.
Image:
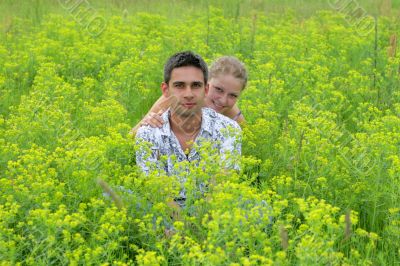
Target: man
{"x":187,"y":123}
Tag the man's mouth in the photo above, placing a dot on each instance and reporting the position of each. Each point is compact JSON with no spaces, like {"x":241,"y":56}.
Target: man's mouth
{"x":189,"y":105}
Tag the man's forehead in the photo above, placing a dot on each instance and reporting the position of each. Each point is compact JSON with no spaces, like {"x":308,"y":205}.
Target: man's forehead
{"x":187,"y":74}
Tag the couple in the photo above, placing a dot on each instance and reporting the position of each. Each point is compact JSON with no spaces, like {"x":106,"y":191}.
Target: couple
{"x":198,"y":102}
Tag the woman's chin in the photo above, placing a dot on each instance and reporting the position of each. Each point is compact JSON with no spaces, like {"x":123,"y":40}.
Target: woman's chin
{"x":221,"y":110}
{"x":217,"y":108}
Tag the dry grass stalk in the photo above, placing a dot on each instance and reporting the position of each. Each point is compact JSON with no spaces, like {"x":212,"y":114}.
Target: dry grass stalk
{"x":253,"y":31}
{"x":347,"y":232}
{"x":7,"y":23}
{"x":386,"y":7}
{"x":107,"y":189}
{"x":125,"y":14}
{"x":284,"y":238}
{"x":393,"y":46}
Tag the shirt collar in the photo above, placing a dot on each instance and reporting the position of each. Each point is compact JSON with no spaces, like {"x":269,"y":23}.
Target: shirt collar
{"x":166,"y":128}
{"x":208,"y":119}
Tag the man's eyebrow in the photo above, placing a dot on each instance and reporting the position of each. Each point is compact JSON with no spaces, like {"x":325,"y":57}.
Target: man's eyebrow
{"x":178,"y":82}
{"x":193,"y":83}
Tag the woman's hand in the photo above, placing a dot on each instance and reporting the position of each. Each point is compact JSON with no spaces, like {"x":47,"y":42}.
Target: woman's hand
{"x":152,"y":119}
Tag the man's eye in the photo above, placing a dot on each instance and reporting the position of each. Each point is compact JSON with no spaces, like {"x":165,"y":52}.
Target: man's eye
{"x":233,"y":96}
{"x":179,"y":85}
{"x":197,"y":85}
{"x":218,"y":89}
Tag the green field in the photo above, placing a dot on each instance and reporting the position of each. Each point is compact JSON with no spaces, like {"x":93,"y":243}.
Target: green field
{"x":321,"y":149}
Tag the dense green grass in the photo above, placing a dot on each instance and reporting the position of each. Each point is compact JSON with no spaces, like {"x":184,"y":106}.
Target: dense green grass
{"x":321,"y":145}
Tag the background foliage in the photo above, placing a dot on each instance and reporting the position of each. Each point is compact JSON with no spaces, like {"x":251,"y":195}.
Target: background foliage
{"x":320,"y":153}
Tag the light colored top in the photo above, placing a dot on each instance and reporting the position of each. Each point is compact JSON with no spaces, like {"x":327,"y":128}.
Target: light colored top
{"x":223,"y":132}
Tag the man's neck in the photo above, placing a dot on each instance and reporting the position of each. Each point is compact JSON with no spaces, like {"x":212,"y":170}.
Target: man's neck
{"x":187,"y":127}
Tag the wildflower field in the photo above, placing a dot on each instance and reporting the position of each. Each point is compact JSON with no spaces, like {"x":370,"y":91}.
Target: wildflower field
{"x":320,"y":176}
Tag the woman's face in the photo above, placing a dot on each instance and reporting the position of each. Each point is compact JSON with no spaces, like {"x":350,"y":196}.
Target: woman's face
{"x":223,"y":93}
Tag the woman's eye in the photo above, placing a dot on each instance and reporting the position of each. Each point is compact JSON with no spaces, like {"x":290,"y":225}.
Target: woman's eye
{"x":218,"y":89}
{"x":233,"y":96}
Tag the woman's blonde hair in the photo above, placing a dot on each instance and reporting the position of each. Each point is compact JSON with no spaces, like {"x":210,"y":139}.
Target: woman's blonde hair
{"x":229,"y":65}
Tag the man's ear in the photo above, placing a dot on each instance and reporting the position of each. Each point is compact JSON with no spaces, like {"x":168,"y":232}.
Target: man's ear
{"x":165,"y":89}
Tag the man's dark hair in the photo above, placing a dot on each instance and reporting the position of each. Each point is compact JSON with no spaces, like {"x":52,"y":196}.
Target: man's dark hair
{"x":182,"y":59}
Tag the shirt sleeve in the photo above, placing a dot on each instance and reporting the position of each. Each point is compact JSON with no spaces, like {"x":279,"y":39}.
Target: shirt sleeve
{"x":146,"y":150}
{"x":231,"y":148}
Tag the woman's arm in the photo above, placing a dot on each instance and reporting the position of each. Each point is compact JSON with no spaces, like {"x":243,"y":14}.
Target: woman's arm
{"x":233,"y":114}
{"x":153,"y":117}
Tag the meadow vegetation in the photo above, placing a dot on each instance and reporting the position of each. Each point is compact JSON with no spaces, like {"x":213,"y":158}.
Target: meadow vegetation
{"x":320,"y":176}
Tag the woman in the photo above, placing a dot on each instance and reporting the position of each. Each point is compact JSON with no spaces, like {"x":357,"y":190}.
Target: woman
{"x":227,"y":79}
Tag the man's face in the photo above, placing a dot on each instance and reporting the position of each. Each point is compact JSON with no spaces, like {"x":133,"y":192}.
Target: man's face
{"x":187,"y":90}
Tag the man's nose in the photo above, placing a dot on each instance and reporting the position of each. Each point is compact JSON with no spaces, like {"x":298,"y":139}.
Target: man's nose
{"x":188,"y":92}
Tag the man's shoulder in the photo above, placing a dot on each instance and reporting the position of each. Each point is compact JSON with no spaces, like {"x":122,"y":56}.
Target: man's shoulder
{"x":148,"y":133}
{"x":144,"y":131}
{"x":219,"y":120}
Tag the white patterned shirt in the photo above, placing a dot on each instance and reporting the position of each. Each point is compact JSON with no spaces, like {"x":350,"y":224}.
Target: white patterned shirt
{"x":222,"y":131}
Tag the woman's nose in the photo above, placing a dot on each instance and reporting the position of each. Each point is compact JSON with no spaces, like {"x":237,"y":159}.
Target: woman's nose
{"x":224,"y":100}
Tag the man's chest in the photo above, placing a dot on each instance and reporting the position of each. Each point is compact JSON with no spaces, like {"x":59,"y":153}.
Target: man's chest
{"x":182,"y":148}
{"x":185,"y":142}
{"x":177,"y":148}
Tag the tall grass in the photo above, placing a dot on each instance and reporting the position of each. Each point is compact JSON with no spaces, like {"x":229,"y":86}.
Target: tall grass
{"x":35,"y":9}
